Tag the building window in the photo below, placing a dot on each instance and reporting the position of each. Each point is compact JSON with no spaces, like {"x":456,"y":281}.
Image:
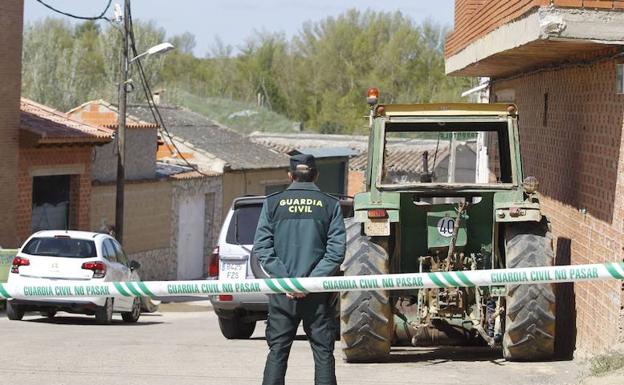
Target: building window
{"x":50,"y":202}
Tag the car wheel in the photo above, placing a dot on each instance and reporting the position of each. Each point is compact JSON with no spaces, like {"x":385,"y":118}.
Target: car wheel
{"x":49,"y":314}
{"x":236,"y":329}
{"x":133,"y":316}
{"x":104,"y":314}
{"x":14,"y":312}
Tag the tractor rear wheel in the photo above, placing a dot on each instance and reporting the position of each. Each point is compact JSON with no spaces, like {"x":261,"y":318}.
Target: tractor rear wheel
{"x":366,"y":321}
{"x":530,"y":309}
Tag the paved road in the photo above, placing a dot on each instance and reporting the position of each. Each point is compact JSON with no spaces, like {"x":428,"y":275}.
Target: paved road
{"x":185,"y":347}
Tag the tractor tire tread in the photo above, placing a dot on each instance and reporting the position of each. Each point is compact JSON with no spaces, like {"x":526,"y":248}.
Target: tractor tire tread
{"x":530,"y":309}
{"x":366,"y":316}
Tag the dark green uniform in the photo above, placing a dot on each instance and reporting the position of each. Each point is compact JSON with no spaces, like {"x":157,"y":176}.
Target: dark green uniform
{"x":301,"y":233}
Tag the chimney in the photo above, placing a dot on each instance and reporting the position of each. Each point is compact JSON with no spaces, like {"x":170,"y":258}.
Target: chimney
{"x":158,"y":96}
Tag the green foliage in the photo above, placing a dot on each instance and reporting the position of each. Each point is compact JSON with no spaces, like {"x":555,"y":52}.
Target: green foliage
{"x":64,"y":65}
{"x":319,"y":77}
{"x":239,"y":116}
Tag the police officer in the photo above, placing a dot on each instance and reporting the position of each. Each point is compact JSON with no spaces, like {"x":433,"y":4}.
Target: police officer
{"x":301,"y":233}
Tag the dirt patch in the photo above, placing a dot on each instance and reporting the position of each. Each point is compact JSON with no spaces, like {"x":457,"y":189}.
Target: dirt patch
{"x":612,"y":378}
{"x":606,"y":369}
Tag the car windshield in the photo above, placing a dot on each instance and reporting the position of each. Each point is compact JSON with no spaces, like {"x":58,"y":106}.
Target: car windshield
{"x":415,"y":154}
{"x":64,"y":247}
{"x":242,"y":229}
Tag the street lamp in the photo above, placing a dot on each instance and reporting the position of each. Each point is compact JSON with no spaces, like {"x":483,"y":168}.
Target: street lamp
{"x":157,"y":49}
{"x":121,"y":131}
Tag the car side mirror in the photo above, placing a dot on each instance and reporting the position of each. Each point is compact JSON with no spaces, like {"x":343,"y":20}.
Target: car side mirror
{"x":134,"y":265}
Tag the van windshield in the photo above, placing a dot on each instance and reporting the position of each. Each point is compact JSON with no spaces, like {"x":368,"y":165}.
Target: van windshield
{"x":242,"y":229}
{"x":61,"y":247}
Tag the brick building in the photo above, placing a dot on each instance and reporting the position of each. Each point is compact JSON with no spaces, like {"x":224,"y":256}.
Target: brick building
{"x":560,"y":61}
{"x":141,"y":142}
{"x":54,"y":170}
{"x":11,"y":14}
{"x":172,"y":214}
{"x":246,"y":168}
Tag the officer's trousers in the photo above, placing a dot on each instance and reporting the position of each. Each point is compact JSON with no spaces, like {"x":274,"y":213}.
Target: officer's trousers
{"x":318,"y":317}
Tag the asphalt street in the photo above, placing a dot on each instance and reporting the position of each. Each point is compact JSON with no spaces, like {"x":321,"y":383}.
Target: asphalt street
{"x":183,"y":345}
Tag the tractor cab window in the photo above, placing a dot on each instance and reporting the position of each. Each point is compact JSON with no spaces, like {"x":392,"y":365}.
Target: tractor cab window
{"x":449,"y":153}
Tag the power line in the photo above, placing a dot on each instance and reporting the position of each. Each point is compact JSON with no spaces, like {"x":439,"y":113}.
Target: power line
{"x":99,"y":17}
{"x":150,"y":99}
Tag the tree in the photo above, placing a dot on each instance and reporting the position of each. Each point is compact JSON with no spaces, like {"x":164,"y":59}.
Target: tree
{"x":319,"y":77}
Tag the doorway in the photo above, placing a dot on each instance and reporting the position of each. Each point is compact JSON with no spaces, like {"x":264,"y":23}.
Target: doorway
{"x":50,"y":202}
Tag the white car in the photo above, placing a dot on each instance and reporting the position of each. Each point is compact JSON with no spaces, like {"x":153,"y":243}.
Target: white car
{"x":53,"y":256}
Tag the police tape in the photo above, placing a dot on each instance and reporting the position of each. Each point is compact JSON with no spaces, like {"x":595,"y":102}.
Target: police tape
{"x":50,"y":289}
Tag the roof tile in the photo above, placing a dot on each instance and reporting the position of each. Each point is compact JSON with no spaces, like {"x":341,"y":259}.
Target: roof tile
{"x":236,"y":150}
{"x":44,"y":125}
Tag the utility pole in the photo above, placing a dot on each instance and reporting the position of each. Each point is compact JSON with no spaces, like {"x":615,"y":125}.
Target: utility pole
{"x":121,"y":130}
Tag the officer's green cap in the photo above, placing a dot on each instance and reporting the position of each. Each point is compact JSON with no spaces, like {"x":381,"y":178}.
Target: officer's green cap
{"x":302,"y":162}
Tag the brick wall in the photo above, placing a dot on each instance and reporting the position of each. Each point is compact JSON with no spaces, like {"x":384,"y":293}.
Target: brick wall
{"x":152,"y":219}
{"x":11,"y":14}
{"x":576,"y":151}
{"x":476,"y":18}
{"x":147,"y":213}
{"x":250,"y":182}
{"x":67,"y":160}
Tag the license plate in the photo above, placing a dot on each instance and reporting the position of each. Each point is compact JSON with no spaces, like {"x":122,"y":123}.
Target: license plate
{"x":377,"y":227}
{"x":232,"y":270}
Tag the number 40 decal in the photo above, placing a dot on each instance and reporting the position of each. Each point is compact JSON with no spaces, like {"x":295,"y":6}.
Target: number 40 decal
{"x":446,"y":226}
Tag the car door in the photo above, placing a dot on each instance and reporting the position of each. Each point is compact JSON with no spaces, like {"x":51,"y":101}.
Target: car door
{"x":118,"y":272}
{"x":129,"y":274}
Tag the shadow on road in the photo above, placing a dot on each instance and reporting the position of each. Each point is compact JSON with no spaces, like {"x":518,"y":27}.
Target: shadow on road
{"x":87,"y":321}
{"x":443,"y":354}
{"x":299,"y":337}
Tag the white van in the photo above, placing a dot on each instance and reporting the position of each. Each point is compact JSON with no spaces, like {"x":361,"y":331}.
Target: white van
{"x":231,"y":260}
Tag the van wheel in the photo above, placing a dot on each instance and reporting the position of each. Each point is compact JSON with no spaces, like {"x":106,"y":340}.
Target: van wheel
{"x":14,"y":312}
{"x":133,"y":316}
{"x":104,"y":314}
{"x":235,"y":329}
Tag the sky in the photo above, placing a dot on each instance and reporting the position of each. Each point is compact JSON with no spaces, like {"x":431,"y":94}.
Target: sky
{"x":235,"y":20}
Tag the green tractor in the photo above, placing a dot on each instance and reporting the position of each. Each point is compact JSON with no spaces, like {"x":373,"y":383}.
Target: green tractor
{"x":445,"y":192}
